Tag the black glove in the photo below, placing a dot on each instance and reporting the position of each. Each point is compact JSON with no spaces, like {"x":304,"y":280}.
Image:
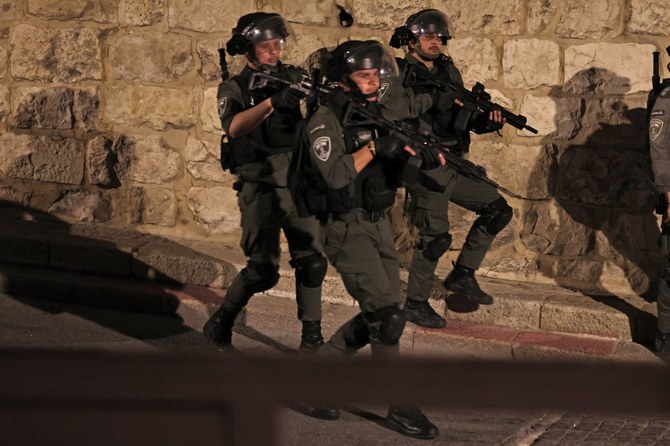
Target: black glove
{"x":482,"y":124}
{"x":287,"y":100}
{"x":430,"y":158}
{"x":388,"y":146}
{"x":444,"y":100}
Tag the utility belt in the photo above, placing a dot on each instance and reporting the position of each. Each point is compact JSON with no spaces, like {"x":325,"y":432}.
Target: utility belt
{"x":358,"y":215}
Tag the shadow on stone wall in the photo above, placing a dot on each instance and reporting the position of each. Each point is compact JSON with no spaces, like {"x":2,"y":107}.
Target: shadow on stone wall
{"x":600,"y":230}
{"x":56,"y":266}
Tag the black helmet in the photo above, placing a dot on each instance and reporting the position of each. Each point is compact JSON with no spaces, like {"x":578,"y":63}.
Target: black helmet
{"x":257,"y":27}
{"x":355,"y":55}
{"x":427,"y":21}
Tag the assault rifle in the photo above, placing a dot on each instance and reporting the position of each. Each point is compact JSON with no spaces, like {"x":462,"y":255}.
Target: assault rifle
{"x":357,"y":114}
{"x":477,"y":99}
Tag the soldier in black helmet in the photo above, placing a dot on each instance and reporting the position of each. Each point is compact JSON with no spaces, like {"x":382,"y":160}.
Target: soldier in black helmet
{"x":659,"y":140}
{"x":425,"y":34}
{"x":259,"y":130}
{"x":357,"y":165}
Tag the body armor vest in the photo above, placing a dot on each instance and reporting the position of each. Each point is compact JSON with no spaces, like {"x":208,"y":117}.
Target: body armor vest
{"x":373,"y":189}
{"x":441,"y":123}
{"x":274,"y":135}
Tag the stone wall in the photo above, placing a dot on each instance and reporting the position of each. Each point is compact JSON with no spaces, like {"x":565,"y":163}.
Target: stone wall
{"x":107,"y":115}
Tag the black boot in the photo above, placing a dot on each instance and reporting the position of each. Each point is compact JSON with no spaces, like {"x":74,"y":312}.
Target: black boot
{"x":662,"y":344}
{"x":311,"y":337}
{"x":422,"y":314}
{"x":410,"y":421}
{"x":219,"y":329}
{"x":462,"y":280}
{"x":321,"y":412}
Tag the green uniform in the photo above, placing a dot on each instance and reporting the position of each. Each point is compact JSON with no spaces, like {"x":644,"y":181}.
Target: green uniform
{"x":356,"y":234}
{"x":659,"y":138}
{"x":261,"y":161}
{"x":428,"y":206}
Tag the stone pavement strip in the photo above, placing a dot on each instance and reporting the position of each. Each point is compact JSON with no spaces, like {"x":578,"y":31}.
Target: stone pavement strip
{"x":90,"y":264}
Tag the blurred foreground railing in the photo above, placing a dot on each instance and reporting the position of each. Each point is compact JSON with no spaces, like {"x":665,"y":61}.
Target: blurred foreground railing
{"x":55,"y":398}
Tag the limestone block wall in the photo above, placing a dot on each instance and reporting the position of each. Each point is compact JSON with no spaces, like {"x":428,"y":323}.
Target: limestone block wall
{"x":108,"y":115}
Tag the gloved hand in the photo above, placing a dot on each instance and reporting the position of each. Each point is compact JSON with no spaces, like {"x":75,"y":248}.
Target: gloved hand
{"x":444,"y":100}
{"x":430,"y":158}
{"x":287,"y":100}
{"x":482,"y":123}
{"x":388,"y":146}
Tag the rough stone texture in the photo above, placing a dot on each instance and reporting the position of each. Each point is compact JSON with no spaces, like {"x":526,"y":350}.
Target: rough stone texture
{"x":649,"y":17}
{"x":99,"y":161}
{"x":152,"y":206}
{"x":22,"y":198}
{"x":101,"y":11}
{"x":210,"y":69}
{"x":58,"y":160}
{"x":597,"y":19}
{"x":4,"y":32}
{"x":461,"y":221}
{"x":142,"y":12}
{"x":616,"y":123}
{"x":612,"y":68}
{"x":207,"y":15}
{"x":42,"y":158}
{"x":522,"y":169}
{"x":558,"y":314}
{"x":203,"y":161}
{"x":215,"y":208}
{"x":57,"y":108}
{"x":154,"y":107}
{"x":4,"y":57}
{"x":83,"y":206}
{"x":55,"y":55}
{"x":559,"y":118}
{"x":209,"y":116}
{"x":298,"y":53}
{"x":146,"y":160}
{"x":521,"y":311}
{"x":547,"y":228}
{"x":150,"y":57}
{"x":540,"y":14}
{"x":475,"y":58}
{"x":481,"y":16}
{"x":310,"y":13}
{"x":385,"y":14}
{"x":10,"y":9}
{"x":5,"y":102}
{"x":15,"y":155}
{"x":529,"y":63}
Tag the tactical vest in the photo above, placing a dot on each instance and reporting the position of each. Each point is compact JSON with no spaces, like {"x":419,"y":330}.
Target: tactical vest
{"x":441,"y":123}
{"x":374,"y":187}
{"x":274,"y":135}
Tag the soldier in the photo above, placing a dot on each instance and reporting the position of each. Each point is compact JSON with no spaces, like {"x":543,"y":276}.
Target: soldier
{"x":260,"y":126}
{"x":355,"y":170}
{"x":424,"y":34}
{"x":659,"y":139}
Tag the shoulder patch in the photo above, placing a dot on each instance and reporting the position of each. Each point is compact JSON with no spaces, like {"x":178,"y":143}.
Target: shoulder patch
{"x":223,"y":103}
{"x":321,"y":147}
{"x":655,"y":128}
{"x":383,"y":88}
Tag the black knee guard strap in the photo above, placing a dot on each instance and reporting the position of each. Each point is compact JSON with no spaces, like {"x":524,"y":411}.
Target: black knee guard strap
{"x":361,"y":334}
{"x":311,"y":270}
{"x":495,"y":216}
{"x":260,"y":277}
{"x":436,"y":248}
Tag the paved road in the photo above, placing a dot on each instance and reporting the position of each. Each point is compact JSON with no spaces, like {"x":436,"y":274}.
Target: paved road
{"x":35,"y":324}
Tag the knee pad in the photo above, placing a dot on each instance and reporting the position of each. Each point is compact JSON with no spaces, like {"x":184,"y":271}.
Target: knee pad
{"x":495,"y":216}
{"x":310,"y":270}
{"x":436,"y":248}
{"x":392,"y":323}
{"x":260,"y":277}
{"x":361,"y":334}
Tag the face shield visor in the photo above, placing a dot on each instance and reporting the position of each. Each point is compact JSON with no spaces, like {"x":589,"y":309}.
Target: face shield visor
{"x":430,"y":23}
{"x":371,"y":55}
